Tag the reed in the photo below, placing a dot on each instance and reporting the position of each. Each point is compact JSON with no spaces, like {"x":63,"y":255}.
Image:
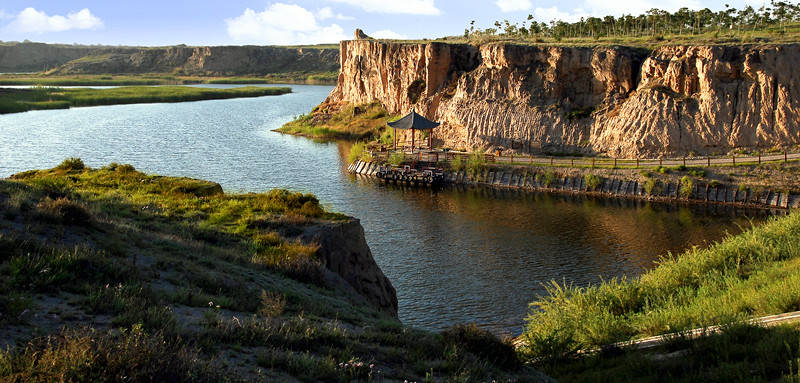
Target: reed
{"x":15,"y":101}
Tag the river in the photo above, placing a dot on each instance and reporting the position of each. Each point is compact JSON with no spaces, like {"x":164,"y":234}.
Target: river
{"x":454,"y":255}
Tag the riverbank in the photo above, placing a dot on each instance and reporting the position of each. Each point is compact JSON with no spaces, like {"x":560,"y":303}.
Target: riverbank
{"x":23,"y":100}
{"x":310,"y":78}
{"x":750,"y":275}
{"x":773,"y":185}
{"x":152,"y":277}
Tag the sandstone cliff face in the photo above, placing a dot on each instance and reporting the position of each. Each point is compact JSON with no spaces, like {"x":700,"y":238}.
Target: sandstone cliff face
{"x":34,"y":57}
{"x":614,"y":100}
{"x":344,"y":250}
{"x":219,"y":61}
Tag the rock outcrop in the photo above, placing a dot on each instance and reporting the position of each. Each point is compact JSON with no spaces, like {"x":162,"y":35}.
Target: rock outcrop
{"x":619,"y":101}
{"x":344,"y":251}
{"x":35,"y":57}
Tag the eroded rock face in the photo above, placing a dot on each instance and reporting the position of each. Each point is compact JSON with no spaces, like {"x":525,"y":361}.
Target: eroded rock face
{"x":614,"y":100}
{"x":216,"y":61}
{"x":344,"y":250}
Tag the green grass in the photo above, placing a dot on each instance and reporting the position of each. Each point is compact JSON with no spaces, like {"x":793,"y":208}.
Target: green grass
{"x":21,"y":100}
{"x":327,"y":78}
{"x":753,"y":274}
{"x":110,"y":273}
{"x":365,"y":121}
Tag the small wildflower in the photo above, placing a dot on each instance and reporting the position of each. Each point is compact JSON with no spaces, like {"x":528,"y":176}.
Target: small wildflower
{"x":210,"y":304}
{"x":107,"y":286}
{"x":371,"y":366}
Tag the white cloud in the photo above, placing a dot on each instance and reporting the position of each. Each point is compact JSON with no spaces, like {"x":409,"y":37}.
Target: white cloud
{"x":514,"y":5}
{"x":282,"y":24}
{"x":327,"y":13}
{"x":5,"y":15}
{"x":600,"y":8}
{"x":410,"y":7}
{"x":31,"y":20}
{"x":552,"y":13}
{"x":387,"y":34}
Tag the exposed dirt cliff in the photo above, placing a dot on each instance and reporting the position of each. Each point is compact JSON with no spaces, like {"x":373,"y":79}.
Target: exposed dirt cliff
{"x":216,"y":61}
{"x":615,"y":100}
{"x":344,"y":251}
{"x":34,"y":57}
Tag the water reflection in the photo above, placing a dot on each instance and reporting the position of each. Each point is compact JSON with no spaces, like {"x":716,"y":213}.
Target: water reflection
{"x":481,"y":254}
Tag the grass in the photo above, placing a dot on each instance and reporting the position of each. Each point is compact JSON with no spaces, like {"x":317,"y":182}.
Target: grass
{"x":740,"y":353}
{"x":367,"y":121}
{"x":22,"y":100}
{"x":110,"y":273}
{"x":300,"y":77}
{"x":753,"y":274}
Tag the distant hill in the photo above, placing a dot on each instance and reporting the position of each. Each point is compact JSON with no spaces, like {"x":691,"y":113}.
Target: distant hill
{"x":179,"y":60}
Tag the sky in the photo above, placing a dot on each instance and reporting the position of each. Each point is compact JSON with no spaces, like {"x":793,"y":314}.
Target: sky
{"x":291,"y":22}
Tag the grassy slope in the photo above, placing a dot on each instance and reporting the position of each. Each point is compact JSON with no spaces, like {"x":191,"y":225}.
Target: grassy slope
{"x":349,"y":122}
{"x":23,"y":100}
{"x":111,"y":272}
{"x":753,"y":274}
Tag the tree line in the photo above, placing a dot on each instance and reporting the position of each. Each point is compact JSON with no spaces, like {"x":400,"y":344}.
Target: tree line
{"x":653,"y":23}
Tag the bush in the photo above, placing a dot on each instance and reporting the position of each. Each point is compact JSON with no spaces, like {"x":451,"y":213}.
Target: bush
{"x":64,"y":211}
{"x":687,"y":187}
{"x":356,"y":151}
{"x":397,"y":158}
{"x":548,"y":178}
{"x":72,"y":164}
{"x":652,"y":186}
{"x":475,"y":163}
{"x":456,"y":163}
{"x":592,"y":181}
{"x":472,"y":339}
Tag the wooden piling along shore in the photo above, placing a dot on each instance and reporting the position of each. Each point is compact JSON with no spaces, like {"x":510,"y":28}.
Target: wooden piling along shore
{"x":668,"y":191}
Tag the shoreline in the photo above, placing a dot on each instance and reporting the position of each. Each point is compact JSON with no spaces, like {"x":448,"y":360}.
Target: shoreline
{"x":663,"y":189}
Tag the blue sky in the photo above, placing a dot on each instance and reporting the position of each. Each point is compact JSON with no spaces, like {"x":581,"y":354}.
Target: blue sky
{"x":287,"y":22}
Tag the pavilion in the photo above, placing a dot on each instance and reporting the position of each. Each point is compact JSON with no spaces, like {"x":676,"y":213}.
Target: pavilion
{"x":414,"y":122}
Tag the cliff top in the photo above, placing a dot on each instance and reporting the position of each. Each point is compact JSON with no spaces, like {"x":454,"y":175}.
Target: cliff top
{"x":788,"y":34}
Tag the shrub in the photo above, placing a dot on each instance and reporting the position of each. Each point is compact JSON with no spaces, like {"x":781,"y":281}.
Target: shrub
{"x":687,"y":187}
{"x":592,"y":181}
{"x":356,"y":151}
{"x":397,"y":158}
{"x":645,"y":173}
{"x":72,"y":164}
{"x":64,"y":211}
{"x":714,"y":184}
{"x":652,"y":186}
{"x":470,"y":338}
{"x":699,"y":173}
{"x":548,"y":178}
{"x":456,"y":163}
{"x":475,"y":163}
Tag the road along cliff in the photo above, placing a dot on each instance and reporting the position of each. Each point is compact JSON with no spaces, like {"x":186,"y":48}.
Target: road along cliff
{"x":620,"y":101}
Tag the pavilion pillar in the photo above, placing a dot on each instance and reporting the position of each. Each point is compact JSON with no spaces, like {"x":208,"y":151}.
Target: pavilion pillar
{"x":394,"y":138}
{"x":412,"y":140}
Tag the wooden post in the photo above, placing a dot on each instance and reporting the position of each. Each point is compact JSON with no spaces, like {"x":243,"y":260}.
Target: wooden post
{"x":659,"y":162}
{"x":551,"y":161}
{"x":784,"y":156}
{"x":512,"y":158}
{"x":572,"y":161}
{"x":394,"y":138}
{"x":684,"y":161}
{"x":615,"y":162}
{"x":412,"y":140}
{"x":708,"y":160}
{"x":592,"y":162}
{"x":531,"y":160}
{"x":637,"y":162}
{"x":759,"y":158}
{"x":734,"y":160}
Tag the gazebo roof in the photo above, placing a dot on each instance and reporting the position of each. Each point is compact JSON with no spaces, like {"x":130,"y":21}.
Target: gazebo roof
{"x":413,"y":121}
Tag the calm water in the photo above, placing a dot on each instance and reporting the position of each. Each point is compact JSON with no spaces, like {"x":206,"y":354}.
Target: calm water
{"x":454,"y":255}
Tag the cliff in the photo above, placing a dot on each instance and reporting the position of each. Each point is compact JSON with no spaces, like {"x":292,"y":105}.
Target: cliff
{"x":34,"y":57}
{"x":344,"y":251}
{"x":212,"y":61}
{"x":619,"y":101}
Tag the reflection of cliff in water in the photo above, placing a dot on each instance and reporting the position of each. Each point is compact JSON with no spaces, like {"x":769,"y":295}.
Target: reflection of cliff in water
{"x":463,"y":254}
